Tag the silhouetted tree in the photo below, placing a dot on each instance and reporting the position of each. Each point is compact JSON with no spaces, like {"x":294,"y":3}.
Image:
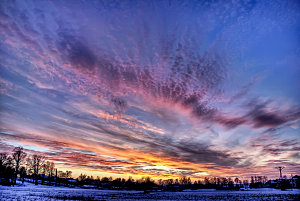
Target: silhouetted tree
{"x":81,"y":178}
{"x":68,"y":174}
{"x":170,"y":182}
{"x":3,"y":158}
{"x":18,"y":156}
{"x":22,"y":173}
{"x":236,"y":180}
{"x":6,"y":169}
{"x":51,"y":171}
{"x":129,"y":183}
{"x":146,"y":183}
{"x":185,"y":180}
{"x":61,"y":174}
{"x":230,"y":183}
{"x":36,"y":162}
{"x":45,"y":169}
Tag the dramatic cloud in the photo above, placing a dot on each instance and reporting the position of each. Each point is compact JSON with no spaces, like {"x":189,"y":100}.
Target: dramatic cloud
{"x":75,"y":51}
{"x":263,"y":118}
{"x":261,"y":115}
{"x":152,"y":88}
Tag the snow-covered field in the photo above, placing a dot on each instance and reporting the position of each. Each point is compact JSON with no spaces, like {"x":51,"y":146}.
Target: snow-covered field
{"x":30,"y":192}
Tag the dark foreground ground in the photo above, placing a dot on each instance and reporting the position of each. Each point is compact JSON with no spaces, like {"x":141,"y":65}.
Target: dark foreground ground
{"x":31,"y":192}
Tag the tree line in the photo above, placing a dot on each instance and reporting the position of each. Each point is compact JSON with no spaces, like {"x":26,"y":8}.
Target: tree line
{"x":36,"y":169}
{"x":33,"y":168}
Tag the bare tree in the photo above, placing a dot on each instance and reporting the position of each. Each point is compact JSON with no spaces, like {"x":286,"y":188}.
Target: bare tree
{"x":3,"y":157}
{"x":48,"y":169}
{"x":7,"y":172}
{"x":22,"y":173}
{"x":68,"y":174}
{"x":237,"y":181}
{"x":3,"y":162}
{"x":45,"y":170}
{"x":51,"y":169}
{"x":36,"y":162}
{"x":18,"y":157}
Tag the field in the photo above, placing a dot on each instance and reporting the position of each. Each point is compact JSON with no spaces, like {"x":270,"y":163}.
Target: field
{"x":31,"y":192}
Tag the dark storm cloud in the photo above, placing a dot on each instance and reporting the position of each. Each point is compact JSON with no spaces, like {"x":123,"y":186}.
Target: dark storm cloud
{"x":77,"y":52}
{"x":182,"y":150}
{"x":179,"y":150}
{"x":201,"y":153}
{"x":261,"y":115}
{"x":119,"y":104}
{"x":262,"y":119}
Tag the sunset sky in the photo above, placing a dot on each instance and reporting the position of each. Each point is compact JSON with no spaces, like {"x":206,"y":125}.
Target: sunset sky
{"x":153,"y":88}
